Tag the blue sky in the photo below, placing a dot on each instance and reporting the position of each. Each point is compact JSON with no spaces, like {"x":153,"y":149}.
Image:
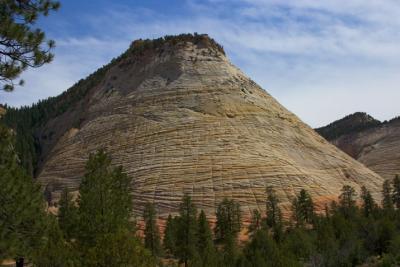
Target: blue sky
{"x":321,"y":59}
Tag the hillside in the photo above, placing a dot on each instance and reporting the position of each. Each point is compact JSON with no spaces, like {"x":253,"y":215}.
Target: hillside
{"x":375,"y":144}
{"x":180,"y":118}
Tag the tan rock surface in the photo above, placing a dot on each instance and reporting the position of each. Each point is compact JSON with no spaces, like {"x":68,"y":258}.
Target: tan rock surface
{"x":183,"y":119}
{"x":377,"y":148}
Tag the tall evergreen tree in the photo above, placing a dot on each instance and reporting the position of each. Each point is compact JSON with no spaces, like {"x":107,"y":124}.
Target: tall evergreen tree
{"x":170,"y":234}
{"x":347,"y":202}
{"x":21,"y":44}
{"x":387,"y":201}
{"x":228,"y":220}
{"x":396,"y":191}
{"x":187,"y":231}
{"x":22,"y":207}
{"x":55,"y":251}
{"x":303,"y":208}
{"x":205,"y":245}
{"x":227,"y":229}
{"x":105,"y":230}
{"x":368,"y":202}
{"x":274,"y":214}
{"x":255,"y":223}
{"x":262,"y":251}
{"x":151,"y":232}
{"x":67,"y":215}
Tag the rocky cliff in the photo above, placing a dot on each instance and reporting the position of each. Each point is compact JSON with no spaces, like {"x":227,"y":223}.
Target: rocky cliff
{"x":375,"y":144}
{"x":180,"y":118}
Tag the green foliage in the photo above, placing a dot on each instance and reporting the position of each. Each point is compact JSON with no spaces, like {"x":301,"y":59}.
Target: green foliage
{"x":368,"y":203}
{"x":205,"y":245}
{"x":55,"y":251}
{"x":387,"y":202}
{"x":105,"y":204}
{"x":228,"y":220}
{"x":28,"y":121}
{"x":67,"y":215}
{"x":151,"y":232}
{"x":255,"y":223}
{"x":99,"y":231}
{"x":347,"y":202}
{"x":350,"y":124}
{"x":22,"y":216}
{"x":119,"y":248}
{"x":170,"y":234}
{"x":303,"y":208}
{"x":186,"y":239}
{"x":299,"y":242}
{"x":262,"y":251}
{"x":105,"y":233}
{"x":396,"y":191}
{"x":138,"y":47}
{"x":21,"y":44}
{"x":274,"y":214}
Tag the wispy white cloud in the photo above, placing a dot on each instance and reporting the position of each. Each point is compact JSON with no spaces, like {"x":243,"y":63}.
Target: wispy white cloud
{"x":321,"y":59}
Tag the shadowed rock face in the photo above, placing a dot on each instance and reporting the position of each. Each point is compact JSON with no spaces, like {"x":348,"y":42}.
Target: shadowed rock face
{"x":182,"y":119}
{"x":375,"y":144}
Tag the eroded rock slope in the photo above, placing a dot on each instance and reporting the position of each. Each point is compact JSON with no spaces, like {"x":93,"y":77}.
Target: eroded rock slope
{"x":180,"y":118}
{"x":375,"y":144}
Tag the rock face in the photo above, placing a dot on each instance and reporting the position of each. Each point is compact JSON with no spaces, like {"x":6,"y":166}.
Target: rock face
{"x":180,"y":118}
{"x":375,"y":144}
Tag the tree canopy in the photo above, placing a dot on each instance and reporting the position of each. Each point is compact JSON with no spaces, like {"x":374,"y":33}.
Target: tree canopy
{"x":21,"y":44}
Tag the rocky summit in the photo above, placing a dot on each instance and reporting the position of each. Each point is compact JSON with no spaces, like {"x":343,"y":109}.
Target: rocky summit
{"x":375,"y":144}
{"x":181,"y":118}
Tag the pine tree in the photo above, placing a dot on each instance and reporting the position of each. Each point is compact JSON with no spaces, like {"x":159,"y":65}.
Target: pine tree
{"x":347,"y":202}
{"x":22,"y":45}
{"x":186,"y":231}
{"x":151,"y":232}
{"x":120,"y":248}
{"x":368,"y":202}
{"x":55,"y":251}
{"x":205,"y":245}
{"x":67,"y":215}
{"x":261,"y":250}
{"x":387,"y":201}
{"x":255,"y":223}
{"x":227,"y":229}
{"x":274,"y":214}
{"x":22,"y":207}
{"x":170,"y":233}
{"x":228,"y":220}
{"x":396,"y":191}
{"x":105,"y":231}
{"x":303,"y":208}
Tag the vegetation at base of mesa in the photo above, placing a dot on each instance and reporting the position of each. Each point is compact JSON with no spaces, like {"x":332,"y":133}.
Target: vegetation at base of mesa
{"x":152,"y":235}
{"x":98,"y":230}
{"x":351,"y":232}
{"x":95,"y":231}
{"x":22,"y":213}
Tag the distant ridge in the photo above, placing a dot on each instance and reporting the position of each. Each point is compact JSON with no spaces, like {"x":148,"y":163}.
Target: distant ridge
{"x":375,"y":144}
{"x":352,"y":123}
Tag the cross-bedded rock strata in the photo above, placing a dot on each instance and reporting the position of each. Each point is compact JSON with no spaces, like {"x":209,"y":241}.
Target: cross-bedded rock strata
{"x":375,"y":144}
{"x":180,"y":118}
